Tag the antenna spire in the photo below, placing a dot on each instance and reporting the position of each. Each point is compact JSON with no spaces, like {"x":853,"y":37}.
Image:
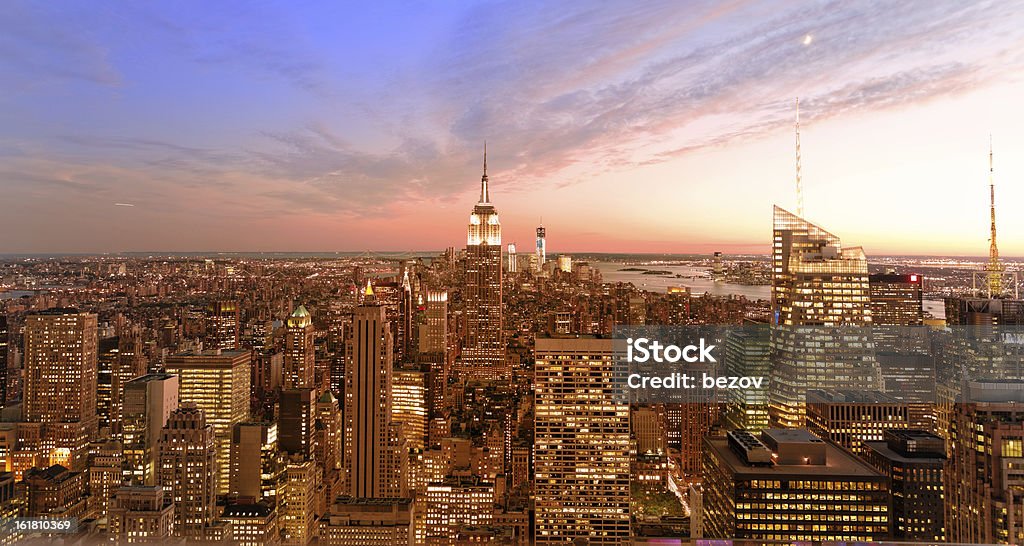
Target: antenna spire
{"x":799,"y":180}
{"x":995,"y":268}
{"x":484,"y":194}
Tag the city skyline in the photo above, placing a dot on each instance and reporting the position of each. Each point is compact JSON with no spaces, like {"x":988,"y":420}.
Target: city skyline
{"x":313,"y":128}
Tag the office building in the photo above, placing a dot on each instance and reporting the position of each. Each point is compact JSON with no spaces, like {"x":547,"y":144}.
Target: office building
{"x":409,"y":406}
{"x":820,"y":317}
{"x":373,"y":451}
{"x":914,"y":462}
{"x":255,"y":478}
{"x":299,"y":351}
{"x":148,"y":402}
{"x":61,"y":350}
{"x":297,"y":411}
{"x":222,"y":325}
{"x":141,"y":514}
{"x":252,"y":524}
{"x":187,"y":471}
{"x":541,"y":253}
{"x":217,"y":382}
{"x":747,"y":353}
{"x":983,"y":475}
{"x":850,"y":418}
{"x":788,"y":485}
{"x":457,"y":503}
{"x":582,"y":442}
{"x":298,"y":501}
{"x":483,"y":353}
{"x":367,"y":522}
{"x":55,"y":492}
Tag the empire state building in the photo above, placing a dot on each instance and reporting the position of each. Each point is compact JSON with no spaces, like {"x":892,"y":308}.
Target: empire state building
{"x":483,"y":355}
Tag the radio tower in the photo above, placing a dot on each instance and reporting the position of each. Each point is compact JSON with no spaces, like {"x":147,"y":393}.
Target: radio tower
{"x":994,"y":268}
{"x":799,"y":181}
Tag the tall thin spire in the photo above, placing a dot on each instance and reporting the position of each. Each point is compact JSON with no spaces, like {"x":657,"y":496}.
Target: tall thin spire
{"x":995,"y":268}
{"x":484,"y":195}
{"x":799,"y":180}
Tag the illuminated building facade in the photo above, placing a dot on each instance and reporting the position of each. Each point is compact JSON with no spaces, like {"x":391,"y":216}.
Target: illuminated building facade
{"x":896,"y":300}
{"x":299,"y":351}
{"x":851,"y":417}
{"x":985,"y":473}
{"x":483,"y":354}
{"x":298,"y":502}
{"x":914,"y":462}
{"x":747,"y":351}
{"x":148,"y":402}
{"x":367,"y":522}
{"x":61,"y":350}
{"x":820,"y":310}
{"x":253,"y":524}
{"x":222,"y":325}
{"x":251,"y":477}
{"x":455,"y":503}
{"x":541,"y":252}
{"x":581,"y":430}
{"x":373,"y":453}
{"x":409,"y":406}
{"x":141,"y":514}
{"x":217,"y":382}
{"x":187,"y":470}
{"x":788,"y":486}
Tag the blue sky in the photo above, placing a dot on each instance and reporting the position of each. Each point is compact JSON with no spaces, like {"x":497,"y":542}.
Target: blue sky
{"x":654,"y":126}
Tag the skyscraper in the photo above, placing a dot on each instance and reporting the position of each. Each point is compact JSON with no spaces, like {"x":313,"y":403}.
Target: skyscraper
{"x":4,"y":355}
{"x":483,"y":354}
{"x":148,"y":402}
{"x":820,"y":313}
{"x":581,"y":443}
{"x":222,"y":325}
{"x":300,"y":354}
{"x":984,"y":498}
{"x":409,"y":405}
{"x":542,"y":246}
{"x":513,"y":265}
{"x":187,"y":470}
{"x":372,"y":451}
{"x":217,"y":382}
{"x":914,"y":462}
{"x":61,"y":350}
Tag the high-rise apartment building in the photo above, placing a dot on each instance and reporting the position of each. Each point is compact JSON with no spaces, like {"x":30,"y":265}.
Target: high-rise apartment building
{"x":5,"y":340}
{"x":217,"y":382}
{"x":61,"y":351}
{"x":483,"y":353}
{"x":581,"y":443}
{"x":820,"y":317}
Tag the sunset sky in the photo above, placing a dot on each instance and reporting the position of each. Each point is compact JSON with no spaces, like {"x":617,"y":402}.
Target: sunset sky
{"x":642,"y":127}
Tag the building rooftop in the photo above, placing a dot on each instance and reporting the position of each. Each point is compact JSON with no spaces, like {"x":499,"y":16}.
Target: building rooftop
{"x":835,"y":462}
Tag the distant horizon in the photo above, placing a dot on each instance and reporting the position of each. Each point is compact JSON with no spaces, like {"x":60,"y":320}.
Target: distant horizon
{"x":420,"y":253}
